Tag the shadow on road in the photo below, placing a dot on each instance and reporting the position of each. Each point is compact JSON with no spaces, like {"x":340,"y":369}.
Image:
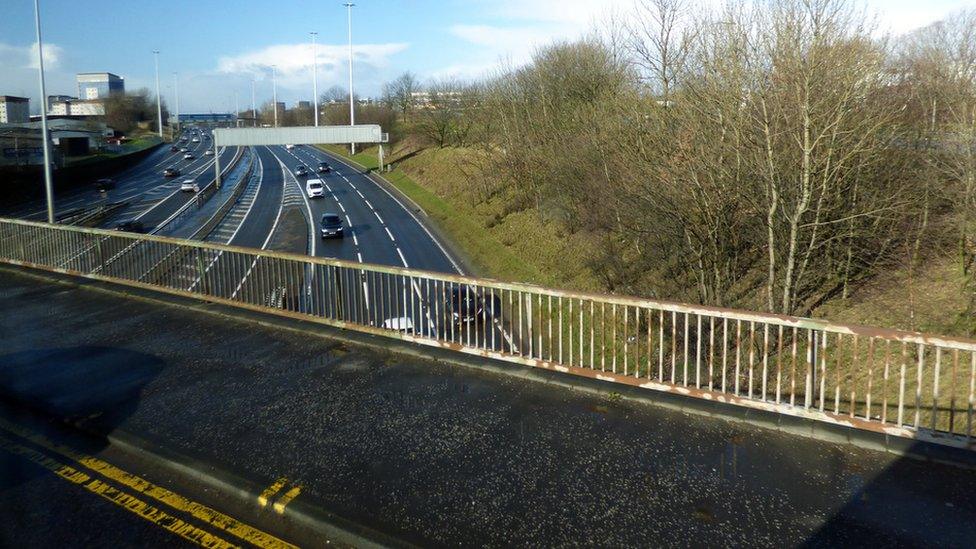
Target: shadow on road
{"x":911,"y":503}
{"x":90,"y":386}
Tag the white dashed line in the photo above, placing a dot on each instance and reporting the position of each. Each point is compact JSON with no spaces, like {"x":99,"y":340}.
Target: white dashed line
{"x":360,"y":256}
{"x":341,"y":207}
{"x":403,"y":259}
{"x":389,"y":233}
{"x":355,"y":240}
{"x":378,"y":217}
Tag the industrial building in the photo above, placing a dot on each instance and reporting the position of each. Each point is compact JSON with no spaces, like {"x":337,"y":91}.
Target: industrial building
{"x":77,"y":107}
{"x":14,"y":110}
{"x":21,"y":145}
{"x":99,"y":85}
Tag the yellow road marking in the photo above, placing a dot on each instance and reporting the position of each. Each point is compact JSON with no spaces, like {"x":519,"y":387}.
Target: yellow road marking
{"x":279,"y":505}
{"x":126,"y":501}
{"x":271,"y":491}
{"x":215,"y":518}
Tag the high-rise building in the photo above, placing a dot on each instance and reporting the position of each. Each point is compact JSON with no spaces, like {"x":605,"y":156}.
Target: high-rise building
{"x":99,"y":85}
{"x":304,"y":104}
{"x":14,"y":110}
{"x":52,"y":99}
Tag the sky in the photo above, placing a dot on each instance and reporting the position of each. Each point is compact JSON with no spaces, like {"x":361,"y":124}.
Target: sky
{"x":218,"y":47}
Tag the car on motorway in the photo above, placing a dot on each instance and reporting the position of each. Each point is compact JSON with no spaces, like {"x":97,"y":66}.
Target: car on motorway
{"x":289,"y":147}
{"x":174,"y":148}
{"x":208,"y":152}
{"x":171,"y":172}
{"x":105,"y":184}
{"x":184,"y":149}
{"x":130,"y":226}
{"x":402,"y":324}
{"x":465,"y":304}
{"x":188,"y":156}
{"x":301,"y":171}
{"x":314,"y":188}
{"x":189,"y":186}
{"x":331,"y":225}
{"x":324,"y":167}
{"x":196,"y":139}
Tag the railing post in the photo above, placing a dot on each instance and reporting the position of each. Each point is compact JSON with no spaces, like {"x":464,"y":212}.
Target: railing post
{"x":201,"y":270}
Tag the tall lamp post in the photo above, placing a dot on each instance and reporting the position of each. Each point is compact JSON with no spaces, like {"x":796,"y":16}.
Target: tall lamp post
{"x":159,"y":104}
{"x":315,"y":83}
{"x":176,"y":87}
{"x":274,"y":93}
{"x":352,"y":110}
{"x":254,"y":110}
{"x":48,"y":185}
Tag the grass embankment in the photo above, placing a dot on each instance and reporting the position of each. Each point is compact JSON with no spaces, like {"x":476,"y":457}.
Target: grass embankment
{"x":524,"y":247}
{"x":134,"y":145}
{"x":517,"y":246}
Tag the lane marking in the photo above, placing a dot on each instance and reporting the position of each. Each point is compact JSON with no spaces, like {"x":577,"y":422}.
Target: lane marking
{"x":360,"y":256}
{"x":366,"y":201}
{"x":403,"y":259}
{"x":389,"y":233}
{"x":125,"y":501}
{"x":377,"y":214}
{"x":271,"y":491}
{"x":146,"y":488}
{"x":279,"y":506}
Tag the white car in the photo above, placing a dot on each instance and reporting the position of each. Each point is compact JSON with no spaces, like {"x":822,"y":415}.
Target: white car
{"x":314,"y":188}
{"x":289,"y":147}
{"x":188,"y":156}
{"x":196,"y":139}
{"x":401,"y":324}
{"x":189,"y":186}
{"x":208,"y":152}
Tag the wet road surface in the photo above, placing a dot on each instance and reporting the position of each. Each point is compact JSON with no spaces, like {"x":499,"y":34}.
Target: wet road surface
{"x":438,"y":454}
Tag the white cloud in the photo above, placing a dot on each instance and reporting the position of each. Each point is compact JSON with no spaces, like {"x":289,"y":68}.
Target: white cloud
{"x":18,"y":72}
{"x":294,"y":61}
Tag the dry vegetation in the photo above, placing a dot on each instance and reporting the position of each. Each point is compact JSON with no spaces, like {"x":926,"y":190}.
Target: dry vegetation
{"x":779,"y":157}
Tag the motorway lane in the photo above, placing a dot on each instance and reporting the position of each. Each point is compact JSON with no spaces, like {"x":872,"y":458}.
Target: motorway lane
{"x":131,"y":182}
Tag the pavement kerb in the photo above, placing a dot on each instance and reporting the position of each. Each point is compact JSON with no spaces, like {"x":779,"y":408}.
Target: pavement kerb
{"x":794,"y":425}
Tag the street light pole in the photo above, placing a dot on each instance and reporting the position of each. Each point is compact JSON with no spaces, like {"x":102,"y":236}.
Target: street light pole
{"x":159,"y":104}
{"x":352,"y":109}
{"x":176,"y":86}
{"x":48,"y":185}
{"x":254,"y":110}
{"x":274,"y":93}
{"x":315,"y":83}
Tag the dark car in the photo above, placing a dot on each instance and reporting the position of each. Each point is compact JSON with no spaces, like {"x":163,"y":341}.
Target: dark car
{"x":174,"y":148}
{"x":331,"y":226}
{"x":105,"y":184}
{"x":465,"y":304}
{"x":301,"y":171}
{"x":324,"y":167}
{"x":130,"y":226}
{"x":171,"y":172}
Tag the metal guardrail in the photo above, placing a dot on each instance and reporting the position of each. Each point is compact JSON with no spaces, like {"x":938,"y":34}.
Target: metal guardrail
{"x":900,"y":383}
{"x":201,"y":196}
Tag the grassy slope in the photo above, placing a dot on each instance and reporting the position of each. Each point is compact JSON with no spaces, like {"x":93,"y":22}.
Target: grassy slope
{"x":523,"y":247}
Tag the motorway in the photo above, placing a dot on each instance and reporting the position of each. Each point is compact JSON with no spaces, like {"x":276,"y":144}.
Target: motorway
{"x":379,"y":229}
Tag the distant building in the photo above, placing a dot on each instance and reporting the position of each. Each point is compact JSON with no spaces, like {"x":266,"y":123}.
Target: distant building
{"x":76,"y":107}
{"x":304,"y":104}
{"x":52,"y":99}
{"x":99,"y":85}
{"x":14,"y":110}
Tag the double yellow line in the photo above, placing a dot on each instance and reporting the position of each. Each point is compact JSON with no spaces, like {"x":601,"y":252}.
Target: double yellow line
{"x":84,"y":471}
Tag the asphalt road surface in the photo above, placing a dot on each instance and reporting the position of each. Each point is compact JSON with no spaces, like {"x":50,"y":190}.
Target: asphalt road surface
{"x":427,"y":452}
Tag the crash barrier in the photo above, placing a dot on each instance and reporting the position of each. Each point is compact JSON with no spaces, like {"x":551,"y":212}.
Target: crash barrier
{"x":906,"y":384}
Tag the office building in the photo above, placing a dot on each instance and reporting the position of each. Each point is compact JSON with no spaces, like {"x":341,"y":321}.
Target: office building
{"x":14,"y":110}
{"x":99,"y":85}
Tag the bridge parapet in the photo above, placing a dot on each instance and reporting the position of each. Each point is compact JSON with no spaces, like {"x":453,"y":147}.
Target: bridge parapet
{"x":906,"y":384}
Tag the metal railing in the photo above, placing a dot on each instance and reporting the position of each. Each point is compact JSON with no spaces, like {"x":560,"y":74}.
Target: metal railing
{"x":900,"y":383}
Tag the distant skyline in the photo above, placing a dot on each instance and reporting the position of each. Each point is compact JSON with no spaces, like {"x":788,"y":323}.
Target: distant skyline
{"x":217,"y":47}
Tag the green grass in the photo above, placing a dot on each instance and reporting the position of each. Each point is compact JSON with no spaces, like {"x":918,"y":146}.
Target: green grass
{"x":483,"y":251}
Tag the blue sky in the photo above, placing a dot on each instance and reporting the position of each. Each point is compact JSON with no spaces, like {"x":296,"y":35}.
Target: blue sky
{"x":218,"y":47}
